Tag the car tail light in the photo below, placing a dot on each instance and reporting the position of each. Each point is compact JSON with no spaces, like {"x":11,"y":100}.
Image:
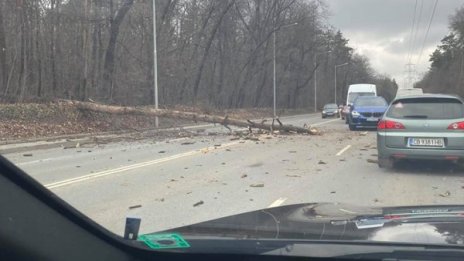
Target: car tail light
{"x":392,"y":217}
{"x":456,"y":126}
{"x":389,"y":125}
{"x":399,"y":156}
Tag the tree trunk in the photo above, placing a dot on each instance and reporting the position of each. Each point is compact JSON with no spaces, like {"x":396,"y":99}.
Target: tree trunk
{"x":85,"y":51}
{"x":3,"y":66}
{"x":38,"y":51}
{"x":205,"y":54}
{"x":54,"y":7}
{"x":191,"y":116}
{"x":108,"y":67}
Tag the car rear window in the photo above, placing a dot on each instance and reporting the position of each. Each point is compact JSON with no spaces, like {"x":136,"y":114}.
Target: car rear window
{"x":426,"y":108}
{"x":353,"y":95}
{"x":370,"y":102}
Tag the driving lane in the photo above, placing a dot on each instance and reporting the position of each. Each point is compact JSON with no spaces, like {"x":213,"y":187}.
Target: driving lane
{"x":199,"y":181}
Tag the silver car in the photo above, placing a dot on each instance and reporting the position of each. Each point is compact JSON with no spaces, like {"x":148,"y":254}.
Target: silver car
{"x":428,"y":127}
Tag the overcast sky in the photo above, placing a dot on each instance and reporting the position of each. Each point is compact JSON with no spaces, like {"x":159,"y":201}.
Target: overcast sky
{"x":381,"y":30}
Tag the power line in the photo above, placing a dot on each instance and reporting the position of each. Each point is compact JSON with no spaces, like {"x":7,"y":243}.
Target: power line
{"x":418,"y":23}
{"x":411,"y":33}
{"x":407,"y":78}
{"x":428,"y":29}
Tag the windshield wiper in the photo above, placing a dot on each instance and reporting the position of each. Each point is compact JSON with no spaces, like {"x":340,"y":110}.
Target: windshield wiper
{"x":416,"y":116}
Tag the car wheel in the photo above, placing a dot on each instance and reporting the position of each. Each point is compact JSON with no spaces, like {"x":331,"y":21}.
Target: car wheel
{"x":385,"y":163}
{"x":352,"y":127}
{"x":460,"y":164}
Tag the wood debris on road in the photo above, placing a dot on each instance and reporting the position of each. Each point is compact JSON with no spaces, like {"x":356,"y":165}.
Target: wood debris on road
{"x":445,"y":195}
{"x":199,"y":203}
{"x":372,"y":161}
{"x":136,"y":206}
{"x":225,"y":121}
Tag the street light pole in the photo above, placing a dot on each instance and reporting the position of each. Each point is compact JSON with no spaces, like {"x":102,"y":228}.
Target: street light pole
{"x":315,"y":78}
{"x":274,"y":87}
{"x":155,"y":64}
{"x":336,"y":66}
{"x":274,"y":74}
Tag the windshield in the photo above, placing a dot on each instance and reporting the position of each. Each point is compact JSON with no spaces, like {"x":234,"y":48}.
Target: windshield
{"x":374,"y":101}
{"x":353,"y":95}
{"x":330,"y":107}
{"x":430,"y":108}
{"x":183,"y":112}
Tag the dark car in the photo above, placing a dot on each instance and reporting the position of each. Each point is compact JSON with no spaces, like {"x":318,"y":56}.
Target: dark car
{"x":366,"y":112}
{"x":330,"y":110}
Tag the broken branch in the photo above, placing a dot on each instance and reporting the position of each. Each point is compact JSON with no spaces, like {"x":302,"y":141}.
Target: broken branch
{"x":146,"y":111}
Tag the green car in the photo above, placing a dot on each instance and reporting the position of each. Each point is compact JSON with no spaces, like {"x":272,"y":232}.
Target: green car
{"x":424,"y":127}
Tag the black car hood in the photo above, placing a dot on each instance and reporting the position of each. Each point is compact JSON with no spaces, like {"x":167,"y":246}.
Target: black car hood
{"x":328,"y":221}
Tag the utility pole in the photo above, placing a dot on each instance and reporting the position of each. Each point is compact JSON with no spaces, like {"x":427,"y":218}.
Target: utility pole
{"x":155,"y":64}
{"x":274,"y":74}
{"x":411,"y":71}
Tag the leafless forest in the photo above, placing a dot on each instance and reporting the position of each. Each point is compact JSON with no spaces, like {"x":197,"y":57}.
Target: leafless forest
{"x":210,"y":53}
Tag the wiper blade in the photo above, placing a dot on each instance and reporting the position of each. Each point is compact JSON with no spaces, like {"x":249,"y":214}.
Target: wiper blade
{"x":416,"y":116}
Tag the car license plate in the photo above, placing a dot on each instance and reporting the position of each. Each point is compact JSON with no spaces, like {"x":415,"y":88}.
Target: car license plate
{"x":372,"y":119}
{"x":426,"y":142}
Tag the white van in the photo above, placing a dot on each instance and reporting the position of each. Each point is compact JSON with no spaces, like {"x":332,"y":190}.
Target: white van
{"x":355,"y":90}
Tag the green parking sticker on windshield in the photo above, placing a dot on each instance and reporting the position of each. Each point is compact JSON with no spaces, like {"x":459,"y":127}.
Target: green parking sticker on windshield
{"x":164,"y":241}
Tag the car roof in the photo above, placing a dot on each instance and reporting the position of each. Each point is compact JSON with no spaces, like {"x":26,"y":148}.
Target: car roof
{"x":369,"y":97}
{"x":428,"y":95}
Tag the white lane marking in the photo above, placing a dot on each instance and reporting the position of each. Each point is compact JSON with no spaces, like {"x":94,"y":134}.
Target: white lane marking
{"x":193,"y":127}
{"x":72,"y":156}
{"x":34,"y":161}
{"x":347,"y":211}
{"x":277,"y":203}
{"x":343,"y":150}
{"x":135,"y":166}
{"x":324,"y":122}
{"x":174,"y":140}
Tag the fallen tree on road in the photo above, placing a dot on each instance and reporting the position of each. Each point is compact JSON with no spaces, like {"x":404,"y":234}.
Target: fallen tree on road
{"x":225,"y":121}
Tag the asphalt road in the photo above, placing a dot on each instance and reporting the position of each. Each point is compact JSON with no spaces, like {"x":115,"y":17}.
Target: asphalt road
{"x":182,"y":181}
